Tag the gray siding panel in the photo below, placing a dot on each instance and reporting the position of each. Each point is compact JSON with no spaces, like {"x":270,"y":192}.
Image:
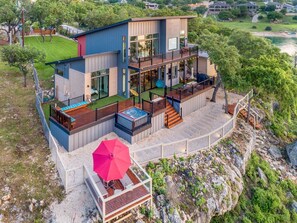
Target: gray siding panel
{"x":99,"y":62}
{"x":91,"y":134}
{"x":195,"y":103}
{"x":144,"y":28}
{"x":157,"y":124}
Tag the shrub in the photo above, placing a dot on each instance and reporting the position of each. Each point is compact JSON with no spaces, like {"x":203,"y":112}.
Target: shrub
{"x":260,"y":17}
{"x":254,"y":27}
{"x":295,"y":17}
{"x":268,"y":28}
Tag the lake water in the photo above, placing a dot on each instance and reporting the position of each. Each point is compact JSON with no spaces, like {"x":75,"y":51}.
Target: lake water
{"x":286,"y":45}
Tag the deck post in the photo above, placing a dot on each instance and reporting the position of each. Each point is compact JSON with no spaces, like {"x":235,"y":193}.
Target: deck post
{"x":171,"y":77}
{"x":184,"y":74}
{"x":197,"y":61}
{"x":139,"y":86}
{"x":96,"y":116}
{"x":172,"y":55}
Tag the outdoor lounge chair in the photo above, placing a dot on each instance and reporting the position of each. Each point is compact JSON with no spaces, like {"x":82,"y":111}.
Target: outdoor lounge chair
{"x":100,"y":186}
{"x":126,"y":181}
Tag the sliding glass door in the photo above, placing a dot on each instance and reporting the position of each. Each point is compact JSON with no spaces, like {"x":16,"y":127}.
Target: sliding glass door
{"x":100,"y":84}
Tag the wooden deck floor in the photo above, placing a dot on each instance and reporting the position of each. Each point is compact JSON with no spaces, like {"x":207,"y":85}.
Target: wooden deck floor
{"x":82,"y":116}
{"x":187,"y":94}
{"x":129,"y":198}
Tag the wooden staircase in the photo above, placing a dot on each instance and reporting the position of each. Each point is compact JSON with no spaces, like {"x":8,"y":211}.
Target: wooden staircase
{"x":172,"y":118}
{"x":252,"y":121}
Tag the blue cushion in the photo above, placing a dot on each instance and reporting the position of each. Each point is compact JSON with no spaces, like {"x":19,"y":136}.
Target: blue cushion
{"x":74,"y":106}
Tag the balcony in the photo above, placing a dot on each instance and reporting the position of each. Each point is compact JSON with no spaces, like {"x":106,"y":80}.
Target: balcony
{"x":123,"y":195}
{"x":144,"y":63}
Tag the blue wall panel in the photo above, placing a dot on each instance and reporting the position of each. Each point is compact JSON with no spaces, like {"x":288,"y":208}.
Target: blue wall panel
{"x":60,"y":134}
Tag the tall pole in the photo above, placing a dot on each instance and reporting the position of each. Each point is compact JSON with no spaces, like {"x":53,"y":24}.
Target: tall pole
{"x":23,"y":28}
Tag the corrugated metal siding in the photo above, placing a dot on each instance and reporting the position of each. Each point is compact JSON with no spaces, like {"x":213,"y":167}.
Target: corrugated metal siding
{"x":99,"y":62}
{"x":106,"y":40}
{"x":143,"y":28}
{"x":59,"y":134}
{"x":157,"y":124}
{"x":76,"y":83}
{"x":184,"y":26}
{"x":91,"y":134}
{"x":195,"y":103}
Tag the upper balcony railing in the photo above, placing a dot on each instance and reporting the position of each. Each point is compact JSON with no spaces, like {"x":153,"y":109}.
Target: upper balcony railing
{"x":143,"y":62}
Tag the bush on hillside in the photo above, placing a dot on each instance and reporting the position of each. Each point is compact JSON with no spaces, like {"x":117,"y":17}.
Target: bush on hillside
{"x":268,"y":28}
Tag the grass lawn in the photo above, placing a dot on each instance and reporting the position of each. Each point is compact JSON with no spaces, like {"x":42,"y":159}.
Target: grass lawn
{"x":24,"y":151}
{"x":59,"y":49}
{"x":247,"y":26}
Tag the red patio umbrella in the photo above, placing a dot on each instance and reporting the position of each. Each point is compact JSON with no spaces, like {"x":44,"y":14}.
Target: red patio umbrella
{"x":111,"y":160}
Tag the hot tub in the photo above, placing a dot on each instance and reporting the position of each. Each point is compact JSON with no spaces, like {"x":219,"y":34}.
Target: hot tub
{"x":132,"y":118}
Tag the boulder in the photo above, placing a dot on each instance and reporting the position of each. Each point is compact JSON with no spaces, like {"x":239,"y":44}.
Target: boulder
{"x":175,"y":217}
{"x":294,"y":206}
{"x":292,"y":153}
{"x":275,"y":152}
{"x":262,"y":175}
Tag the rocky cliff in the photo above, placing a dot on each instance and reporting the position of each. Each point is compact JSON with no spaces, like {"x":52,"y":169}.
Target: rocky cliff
{"x":203,"y":185}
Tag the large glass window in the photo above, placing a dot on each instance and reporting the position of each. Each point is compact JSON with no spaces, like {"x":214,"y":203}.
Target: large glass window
{"x":172,"y":43}
{"x":144,"y":46}
{"x":124,"y":50}
{"x":124,"y":81}
{"x":100,"y":84}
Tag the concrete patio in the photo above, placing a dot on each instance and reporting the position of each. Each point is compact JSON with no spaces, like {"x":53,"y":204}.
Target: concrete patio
{"x":198,"y":123}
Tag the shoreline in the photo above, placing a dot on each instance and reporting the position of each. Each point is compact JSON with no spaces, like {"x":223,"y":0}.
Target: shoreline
{"x":274,"y":34}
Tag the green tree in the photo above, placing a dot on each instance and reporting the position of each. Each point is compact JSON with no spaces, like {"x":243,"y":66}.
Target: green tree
{"x":225,"y":15}
{"x":21,"y":58}
{"x":201,"y":10}
{"x":10,"y":16}
{"x":273,"y":16}
{"x":225,"y":57}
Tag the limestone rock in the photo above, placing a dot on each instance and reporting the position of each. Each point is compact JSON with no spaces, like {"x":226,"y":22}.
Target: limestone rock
{"x":275,"y":152}
{"x":6,"y":197}
{"x":175,"y":217}
{"x":262,"y":175}
{"x":31,"y":207}
{"x":292,"y":153}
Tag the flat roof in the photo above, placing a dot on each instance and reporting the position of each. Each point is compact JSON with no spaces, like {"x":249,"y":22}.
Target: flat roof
{"x":65,"y":61}
{"x":133,"y":20}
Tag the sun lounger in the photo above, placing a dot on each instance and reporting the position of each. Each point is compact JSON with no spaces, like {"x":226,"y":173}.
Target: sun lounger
{"x":100,"y":186}
{"x":75,"y":106}
{"x":126,"y":181}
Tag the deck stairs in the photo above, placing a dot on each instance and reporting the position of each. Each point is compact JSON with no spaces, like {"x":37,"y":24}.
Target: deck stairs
{"x":254,"y":119}
{"x":172,"y":118}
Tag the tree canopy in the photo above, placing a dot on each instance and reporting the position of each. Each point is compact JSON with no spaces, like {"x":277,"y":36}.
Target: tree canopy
{"x":21,"y":58}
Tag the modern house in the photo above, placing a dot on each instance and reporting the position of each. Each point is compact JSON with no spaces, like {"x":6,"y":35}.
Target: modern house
{"x":218,"y":7}
{"x":151,"y":5}
{"x":132,"y":54}
{"x":127,"y":59}
{"x":289,"y":7}
{"x":252,"y":7}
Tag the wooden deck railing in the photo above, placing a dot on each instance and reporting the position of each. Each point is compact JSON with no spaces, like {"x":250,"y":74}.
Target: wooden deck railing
{"x":189,"y":89}
{"x":187,"y":146}
{"x":87,"y":117}
{"x":163,"y":58}
{"x":112,"y":206}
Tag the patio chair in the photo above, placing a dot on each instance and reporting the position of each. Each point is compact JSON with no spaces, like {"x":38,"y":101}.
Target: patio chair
{"x":126,"y":181}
